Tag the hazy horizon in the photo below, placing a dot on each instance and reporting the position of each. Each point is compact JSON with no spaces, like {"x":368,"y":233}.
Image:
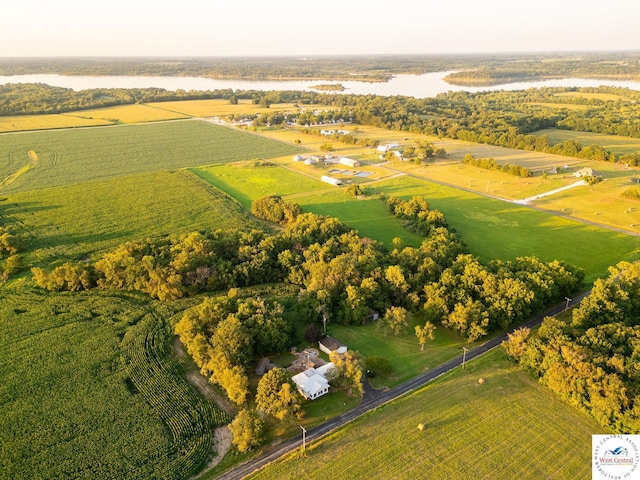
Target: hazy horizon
{"x":195,"y":28}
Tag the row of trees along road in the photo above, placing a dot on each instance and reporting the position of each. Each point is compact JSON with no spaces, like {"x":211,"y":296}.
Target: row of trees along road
{"x":592,"y":359}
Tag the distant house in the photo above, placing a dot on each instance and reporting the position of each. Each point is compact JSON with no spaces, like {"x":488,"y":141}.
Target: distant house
{"x":336,"y":182}
{"x":586,"y":172}
{"x":313,"y":383}
{"x":298,"y":158}
{"x":329,"y":344}
{"x":350,"y":162}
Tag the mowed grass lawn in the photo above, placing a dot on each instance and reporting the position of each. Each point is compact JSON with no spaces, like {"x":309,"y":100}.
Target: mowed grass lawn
{"x":495,"y":229}
{"x":67,"y":223}
{"x":248,"y":181}
{"x":46,"y":159}
{"x":509,"y":427}
{"x":403,"y":351}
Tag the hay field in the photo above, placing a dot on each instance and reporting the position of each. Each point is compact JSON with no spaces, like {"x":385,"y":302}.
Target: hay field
{"x":21,"y":123}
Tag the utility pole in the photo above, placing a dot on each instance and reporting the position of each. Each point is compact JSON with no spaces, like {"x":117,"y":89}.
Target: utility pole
{"x":304,"y":438}
{"x":569,"y":300}
{"x":464,"y":355}
{"x":324,"y":323}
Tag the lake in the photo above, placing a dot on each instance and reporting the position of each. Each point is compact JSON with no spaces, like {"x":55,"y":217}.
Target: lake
{"x":419,"y":86}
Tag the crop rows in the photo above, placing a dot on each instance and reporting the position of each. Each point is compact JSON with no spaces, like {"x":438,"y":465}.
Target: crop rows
{"x":159,"y":379}
{"x":96,"y":153}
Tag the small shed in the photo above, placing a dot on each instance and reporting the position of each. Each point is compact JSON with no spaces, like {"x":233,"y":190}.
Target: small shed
{"x":329,"y":344}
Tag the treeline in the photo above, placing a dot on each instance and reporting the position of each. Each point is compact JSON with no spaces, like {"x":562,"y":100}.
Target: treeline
{"x":491,"y":164}
{"x":341,"y":274}
{"x":366,"y":67}
{"x":590,"y":360}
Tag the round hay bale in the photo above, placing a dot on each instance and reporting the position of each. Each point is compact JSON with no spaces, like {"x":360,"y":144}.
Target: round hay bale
{"x":481,"y":381}
{"x":421,"y":426}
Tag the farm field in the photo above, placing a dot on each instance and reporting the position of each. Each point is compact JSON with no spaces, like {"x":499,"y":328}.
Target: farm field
{"x":129,"y":114}
{"x":77,"y":221}
{"x":44,"y":122}
{"x":494,"y":229}
{"x":500,"y":430}
{"x":221,"y":107}
{"x":47,"y":159}
{"x":79,"y":401}
{"x":615,"y":143}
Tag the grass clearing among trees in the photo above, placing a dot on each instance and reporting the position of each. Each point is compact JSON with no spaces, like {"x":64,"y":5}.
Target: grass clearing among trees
{"x":500,"y":429}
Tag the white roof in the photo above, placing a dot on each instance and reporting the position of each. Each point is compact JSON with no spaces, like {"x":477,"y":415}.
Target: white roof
{"x":313,"y":380}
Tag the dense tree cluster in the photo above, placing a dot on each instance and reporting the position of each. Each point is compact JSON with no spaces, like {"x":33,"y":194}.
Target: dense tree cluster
{"x":591,"y":360}
{"x":491,"y":164}
{"x":224,"y":334}
{"x":474,"y":299}
{"x":273,"y":209}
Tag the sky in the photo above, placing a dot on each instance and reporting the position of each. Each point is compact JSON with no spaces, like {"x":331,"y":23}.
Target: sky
{"x":34,"y":28}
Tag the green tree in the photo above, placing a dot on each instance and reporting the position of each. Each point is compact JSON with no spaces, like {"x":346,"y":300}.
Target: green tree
{"x":425,"y":333}
{"x":248,"y":430}
{"x":350,"y":371}
{"x":277,"y":396}
{"x":395,"y":319}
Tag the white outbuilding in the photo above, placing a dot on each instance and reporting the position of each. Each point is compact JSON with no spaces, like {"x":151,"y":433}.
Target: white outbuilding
{"x":336,"y":182}
{"x":349,"y":162}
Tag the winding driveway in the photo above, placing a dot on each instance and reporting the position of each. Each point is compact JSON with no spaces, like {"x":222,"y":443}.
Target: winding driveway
{"x":374,"y":398}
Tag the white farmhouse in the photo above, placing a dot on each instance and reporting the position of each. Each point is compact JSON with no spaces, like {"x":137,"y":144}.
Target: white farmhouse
{"x":313,"y":383}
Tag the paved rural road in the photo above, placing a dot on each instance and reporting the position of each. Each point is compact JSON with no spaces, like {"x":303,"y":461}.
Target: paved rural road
{"x":375,"y":398}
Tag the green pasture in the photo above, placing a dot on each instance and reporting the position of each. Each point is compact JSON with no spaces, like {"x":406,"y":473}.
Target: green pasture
{"x":84,"y":220}
{"x":508,"y":427}
{"x":81,"y":155}
{"x":74,"y":406}
{"x":248,"y":181}
{"x":495,"y":229}
{"x":369,"y":216}
{"x":614,"y":143}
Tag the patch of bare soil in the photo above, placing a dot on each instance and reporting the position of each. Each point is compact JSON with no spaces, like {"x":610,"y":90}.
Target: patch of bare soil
{"x":220,"y":447}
